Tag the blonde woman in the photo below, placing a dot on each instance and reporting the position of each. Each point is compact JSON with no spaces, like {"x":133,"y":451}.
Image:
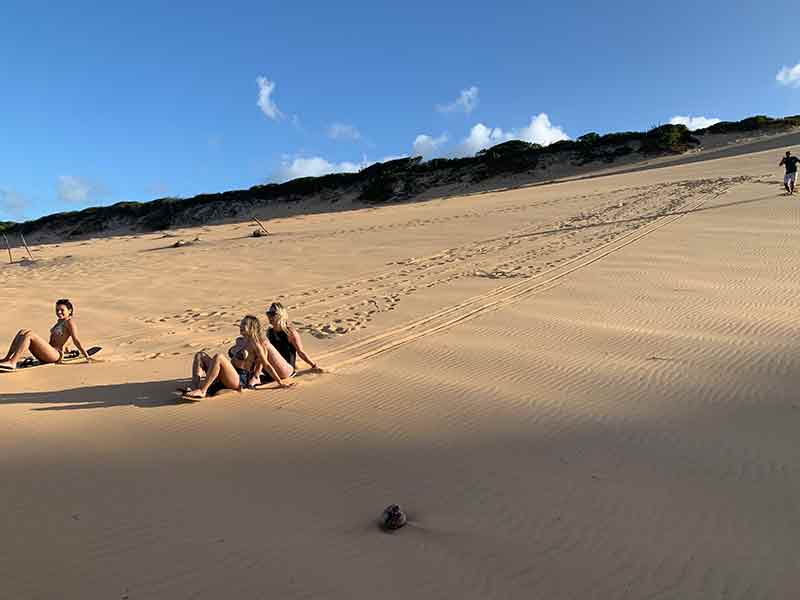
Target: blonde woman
{"x":286,"y":341}
{"x":220,"y":372}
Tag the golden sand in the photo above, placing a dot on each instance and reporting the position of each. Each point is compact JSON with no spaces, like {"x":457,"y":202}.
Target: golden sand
{"x":580,"y":390}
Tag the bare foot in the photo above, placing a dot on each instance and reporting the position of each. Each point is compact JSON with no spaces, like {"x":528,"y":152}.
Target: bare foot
{"x":194,"y":394}
{"x":8,"y":366}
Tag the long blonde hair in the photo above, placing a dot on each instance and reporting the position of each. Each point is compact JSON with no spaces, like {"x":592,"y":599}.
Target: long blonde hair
{"x":281,"y":316}
{"x":252,"y":328}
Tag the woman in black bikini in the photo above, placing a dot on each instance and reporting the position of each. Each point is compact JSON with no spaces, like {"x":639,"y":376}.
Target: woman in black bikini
{"x":286,"y":341}
{"x":222,"y":373}
{"x":46,"y":352}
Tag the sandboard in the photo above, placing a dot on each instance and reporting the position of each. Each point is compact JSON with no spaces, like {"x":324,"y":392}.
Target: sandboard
{"x":69,"y":357}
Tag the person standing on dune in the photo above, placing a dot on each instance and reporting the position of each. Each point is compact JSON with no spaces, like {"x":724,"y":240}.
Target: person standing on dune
{"x":790,"y":179}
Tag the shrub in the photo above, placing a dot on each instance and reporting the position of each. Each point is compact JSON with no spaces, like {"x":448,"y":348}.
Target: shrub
{"x":379,"y":189}
{"x":508,"y":157}
{"x":750,"y":124}
{"x":437,"y":164}
{"x":590,"y":139}
{"x":561,"y":146}
{"x":505,"y":149}
{"x":668,"y":138}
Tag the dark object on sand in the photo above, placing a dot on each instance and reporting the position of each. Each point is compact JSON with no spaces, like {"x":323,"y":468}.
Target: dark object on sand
{"x":179,"y":243}
{"x":259,"y":233}
{"x":393,"y":518}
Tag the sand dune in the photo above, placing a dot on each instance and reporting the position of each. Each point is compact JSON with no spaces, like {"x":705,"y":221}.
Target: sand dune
{"x":582,"y":390}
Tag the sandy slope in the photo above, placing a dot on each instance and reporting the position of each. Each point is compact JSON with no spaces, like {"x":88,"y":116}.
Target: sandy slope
{"x":578,"y":391}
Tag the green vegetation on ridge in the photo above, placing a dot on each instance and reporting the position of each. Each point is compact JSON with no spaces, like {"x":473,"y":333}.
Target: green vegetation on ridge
{"x":760,"y":123}
{"x":391,"y":181}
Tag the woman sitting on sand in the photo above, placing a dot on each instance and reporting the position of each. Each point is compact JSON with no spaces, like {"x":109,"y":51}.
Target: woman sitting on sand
{"x":285,"y":339}
{"x":46,"y":352}
{"x":236,"y":374}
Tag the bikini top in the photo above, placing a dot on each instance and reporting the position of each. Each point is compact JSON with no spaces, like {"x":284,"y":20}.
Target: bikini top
{"x":59,"y":329}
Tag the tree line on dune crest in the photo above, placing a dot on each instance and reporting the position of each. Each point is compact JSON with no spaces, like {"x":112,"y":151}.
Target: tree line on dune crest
{"x":394,"y":180}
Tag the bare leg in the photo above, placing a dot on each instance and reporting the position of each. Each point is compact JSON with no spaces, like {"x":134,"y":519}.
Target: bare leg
{"x":200,"y":367}
{"x":38,"y":347}
{"x":222,"y":369}
{"x":276,"y":360}
{"x":15,"y":343}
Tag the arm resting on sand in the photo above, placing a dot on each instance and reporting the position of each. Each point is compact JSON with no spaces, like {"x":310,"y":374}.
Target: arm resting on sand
{"x":73,"y":331}
{"x":295,"y":340}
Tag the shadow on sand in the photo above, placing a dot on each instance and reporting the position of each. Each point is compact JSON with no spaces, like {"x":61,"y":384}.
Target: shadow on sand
{"x":141,"y":395}
{"x":152,"y":394}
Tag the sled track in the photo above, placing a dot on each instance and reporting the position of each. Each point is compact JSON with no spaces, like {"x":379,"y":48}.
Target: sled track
{"x":494,"y":299}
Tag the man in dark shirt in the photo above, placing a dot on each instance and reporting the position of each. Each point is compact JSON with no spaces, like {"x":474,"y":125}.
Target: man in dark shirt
{"x":790,"y":162}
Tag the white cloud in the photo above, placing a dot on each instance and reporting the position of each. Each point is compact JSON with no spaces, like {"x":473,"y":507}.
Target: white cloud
{"x":343,"y":131}
{"x":789,"y":76}
{"x":539,"y":131}
{"x":466,"y":102}
{"x":314,"y":167}
{"x":12,"y":203}
{"x":693,"y":123}
{"x":265,"y":101}
{"x":480,"y":137}
{"x":426,"y":146}
{"x":77,"y":189}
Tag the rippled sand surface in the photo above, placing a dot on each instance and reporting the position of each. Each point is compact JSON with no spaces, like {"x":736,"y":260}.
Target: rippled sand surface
{"x":579,"y":390}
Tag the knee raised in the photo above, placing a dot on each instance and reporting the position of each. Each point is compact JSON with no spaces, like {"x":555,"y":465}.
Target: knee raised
{"x":24,"y":332}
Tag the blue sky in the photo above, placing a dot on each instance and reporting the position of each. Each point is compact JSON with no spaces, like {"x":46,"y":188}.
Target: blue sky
{"x":103,"y":103}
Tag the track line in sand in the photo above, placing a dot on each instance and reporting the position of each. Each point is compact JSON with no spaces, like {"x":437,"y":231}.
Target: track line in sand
{"x":494,"y":258}
{"x":533,"y":244}
{"x":494,"y":299}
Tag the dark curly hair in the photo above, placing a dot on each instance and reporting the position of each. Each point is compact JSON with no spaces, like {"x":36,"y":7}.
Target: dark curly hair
{"x":67,"y":303}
